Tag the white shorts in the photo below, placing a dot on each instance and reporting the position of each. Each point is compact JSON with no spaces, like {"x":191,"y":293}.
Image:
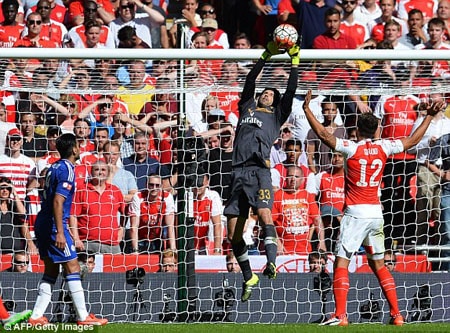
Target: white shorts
{"x":356,"y":231}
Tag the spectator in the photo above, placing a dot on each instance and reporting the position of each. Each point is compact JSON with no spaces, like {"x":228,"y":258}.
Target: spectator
{"x":77,"y":35}
{"x":87,"y":260}
{"x":311,"y":16}
{"x":96,"y":208}
{"x":164,"y":101}
{"x":92,"y":32}
{"x":127,"y":16}
{"x":57,"y":10}
{"x":376,"y":27}
{"x":5,"y":126}
{"x":188,"y":18}
{"x":427,"y":7}
{"x":31,"y":37}
{"x":20,"y":169}
{"x":368,"y":11}
{"x":169,"y":261}
{"x":390,"y":260}
{"x":123,"y":179}
{"x":397,"y":115}
{"x":52,"y":30}
{"x":208,"y":228}
{"x":319,"y":155}
{"x":350,"y":26}
{"x":293,"y":151}
{"x":83,"y":167}
{"x":82,"y":130}
{"x":296,"y":215}
{"x":19,"y":263}
{"x":128,"y":39}
{"x":439,"y":164}
{"x":141,"y":165}
{"x":14,"y":231}
{"x":138,"y":91}
{"x":152,"y":215}
{"x":77,"y":14}
{"x":286,"y":13}
{"x":428,"y":183}
{"x":443,"y":13}
{"x":381,"y":75}
{"x":317,"y":261}
{"x":10,"y":28}
{"x":242,"y":41}
{"x":332,"y":38}
{"x":330,"y":189}
{"x":436,"y":31}
{"x":120,"y":135}
{"x":416,"y":33}
{"x":232,"y":264}
{"x":204,"y":71}
{"x":52,"y":155}
{"x":160,"y":35}
{"x":210,"y":26}
{"x":392,"y":35}
{"x":34,"y":145}
{"x":219,"y":163}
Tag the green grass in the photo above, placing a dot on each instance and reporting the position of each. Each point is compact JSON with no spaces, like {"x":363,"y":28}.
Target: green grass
{"x":272,"y":328}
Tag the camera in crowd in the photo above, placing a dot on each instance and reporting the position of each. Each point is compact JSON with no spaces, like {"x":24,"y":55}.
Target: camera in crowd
{"x":370,"y":310}
{"x":421,"y":307}
{"x":135,"y":276}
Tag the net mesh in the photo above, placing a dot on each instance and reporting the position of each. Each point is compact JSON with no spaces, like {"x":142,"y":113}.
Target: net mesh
{"x":170,"y":99}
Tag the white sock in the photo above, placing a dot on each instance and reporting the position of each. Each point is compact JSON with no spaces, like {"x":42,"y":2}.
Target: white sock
{"x":77,"y":292}
{"x":44,"y":296}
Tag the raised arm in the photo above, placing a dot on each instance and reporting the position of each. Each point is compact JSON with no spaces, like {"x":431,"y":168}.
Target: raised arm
{"x":416,"y":136}
{"x":326,"y":137}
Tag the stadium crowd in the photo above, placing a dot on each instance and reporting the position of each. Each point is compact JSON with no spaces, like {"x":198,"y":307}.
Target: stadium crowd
{"x":127,"y":176}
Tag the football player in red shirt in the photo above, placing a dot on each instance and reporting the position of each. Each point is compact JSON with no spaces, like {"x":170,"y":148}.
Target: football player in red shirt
{"x":363,"y":218}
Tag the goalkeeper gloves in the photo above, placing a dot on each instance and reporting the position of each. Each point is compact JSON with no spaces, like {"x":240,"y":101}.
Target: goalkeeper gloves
{"x":271,"y":49}
{"x":294,"y":53}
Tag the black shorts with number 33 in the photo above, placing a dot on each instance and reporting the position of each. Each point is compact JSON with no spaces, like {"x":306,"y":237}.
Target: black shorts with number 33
{"x":251,"y":187}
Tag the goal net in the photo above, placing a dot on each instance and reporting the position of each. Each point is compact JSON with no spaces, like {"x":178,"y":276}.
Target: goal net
{"x":163,"y":122}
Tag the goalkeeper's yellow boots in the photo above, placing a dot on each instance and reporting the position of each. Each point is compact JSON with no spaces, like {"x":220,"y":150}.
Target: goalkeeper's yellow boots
{"x":270,"y":271}
{"x":247,"y":287}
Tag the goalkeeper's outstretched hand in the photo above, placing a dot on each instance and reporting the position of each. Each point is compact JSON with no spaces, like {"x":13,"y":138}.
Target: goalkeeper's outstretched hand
{"x":294,"y":53}
{"x":271,"y":49}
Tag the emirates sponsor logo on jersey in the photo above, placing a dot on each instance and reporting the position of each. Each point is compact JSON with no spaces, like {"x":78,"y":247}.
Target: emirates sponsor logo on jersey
{"x":253,"y":121}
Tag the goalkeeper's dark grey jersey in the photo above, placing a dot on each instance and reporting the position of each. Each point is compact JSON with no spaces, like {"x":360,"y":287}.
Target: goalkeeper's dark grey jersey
{"x":258,"y":128}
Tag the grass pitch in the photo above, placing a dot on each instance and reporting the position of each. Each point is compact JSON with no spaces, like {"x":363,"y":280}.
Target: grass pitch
{"x":272,"y":328}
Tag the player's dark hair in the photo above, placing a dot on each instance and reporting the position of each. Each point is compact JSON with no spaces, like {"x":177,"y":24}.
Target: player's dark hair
{"x":276,"y":96}
{"x":413,"y":12}
{"x":294,"y":142}
{"x":65,"y":144}
{"x":367,"y":125}
{"x":332,"y":11}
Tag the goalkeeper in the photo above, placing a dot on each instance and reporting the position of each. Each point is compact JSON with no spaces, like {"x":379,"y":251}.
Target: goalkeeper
{"x":257,"y":129}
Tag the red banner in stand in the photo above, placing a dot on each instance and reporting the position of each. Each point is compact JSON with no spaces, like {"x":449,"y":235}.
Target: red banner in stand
{"x":117,"y":263}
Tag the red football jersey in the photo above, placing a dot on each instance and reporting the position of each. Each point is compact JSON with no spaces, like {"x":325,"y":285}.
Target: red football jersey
{"x":365,"y":164}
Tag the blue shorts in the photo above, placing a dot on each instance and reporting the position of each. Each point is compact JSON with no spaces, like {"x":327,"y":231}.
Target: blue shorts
{"x":46,"y":245}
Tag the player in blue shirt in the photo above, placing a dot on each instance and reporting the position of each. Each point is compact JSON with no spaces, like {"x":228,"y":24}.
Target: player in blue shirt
{"x":56,"y":246}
